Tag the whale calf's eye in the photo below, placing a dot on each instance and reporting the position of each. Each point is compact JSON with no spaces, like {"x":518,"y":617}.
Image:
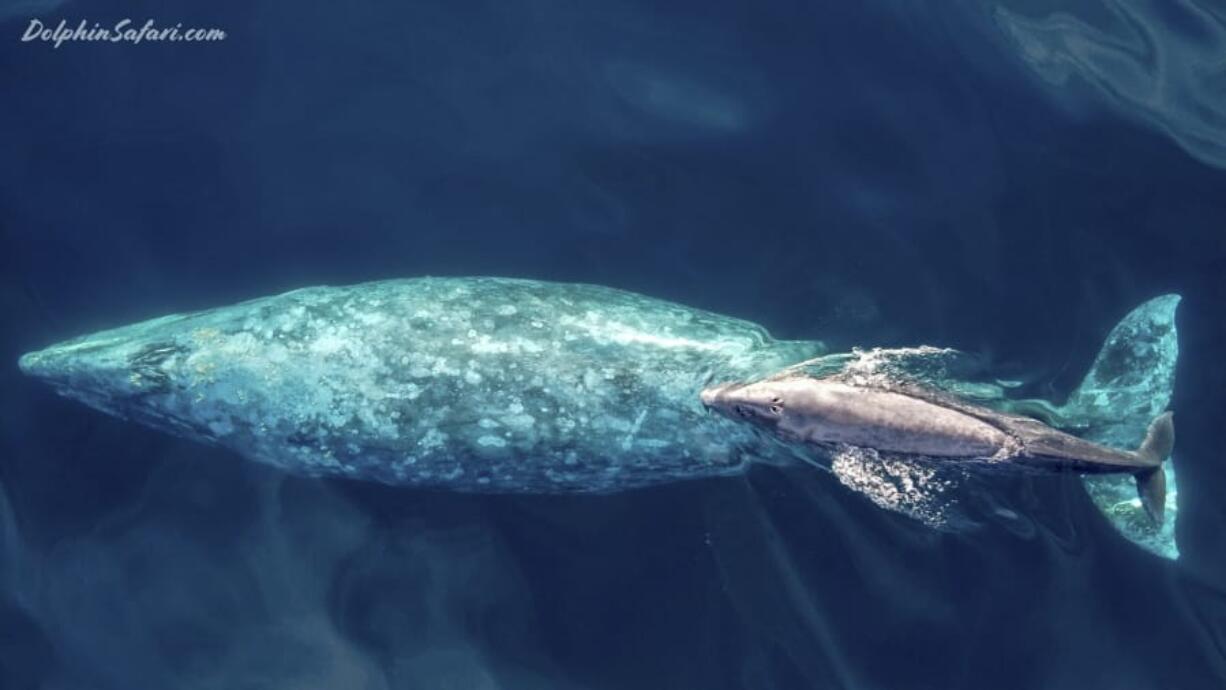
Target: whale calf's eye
{"x":776,"y":409}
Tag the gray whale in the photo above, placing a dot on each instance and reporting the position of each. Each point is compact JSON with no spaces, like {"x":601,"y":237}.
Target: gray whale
{"x":467,"y":384}
{"x":506,"y":385}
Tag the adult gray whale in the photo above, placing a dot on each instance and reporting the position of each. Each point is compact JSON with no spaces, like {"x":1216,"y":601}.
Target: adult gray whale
{"x":504,"y":385}
{"x":469,"y":384}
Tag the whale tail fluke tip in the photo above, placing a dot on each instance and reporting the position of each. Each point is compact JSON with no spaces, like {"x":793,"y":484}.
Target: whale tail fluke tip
{"x":1151,"y":482}
{"x":1159,"y":439}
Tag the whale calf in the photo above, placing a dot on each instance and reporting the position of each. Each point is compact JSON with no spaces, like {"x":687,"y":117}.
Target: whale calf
{"x":509,"y":385}
{"x":922,"y":425}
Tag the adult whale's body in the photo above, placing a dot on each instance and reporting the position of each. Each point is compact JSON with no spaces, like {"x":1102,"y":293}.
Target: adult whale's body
{"x":471,"y":384}
{"x":503,"y":385}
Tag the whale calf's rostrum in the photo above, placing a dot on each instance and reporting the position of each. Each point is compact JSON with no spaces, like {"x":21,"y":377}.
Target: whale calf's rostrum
{"x":469,"y":384}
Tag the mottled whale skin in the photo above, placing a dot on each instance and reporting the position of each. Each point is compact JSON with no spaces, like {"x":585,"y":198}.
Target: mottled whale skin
{"x":467,"y":384}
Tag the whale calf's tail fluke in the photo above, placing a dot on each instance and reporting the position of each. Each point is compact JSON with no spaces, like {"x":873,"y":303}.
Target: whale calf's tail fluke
{"x":1151,"y":482}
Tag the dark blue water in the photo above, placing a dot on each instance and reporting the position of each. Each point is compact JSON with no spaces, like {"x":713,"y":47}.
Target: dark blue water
{"x":1007,"y":179}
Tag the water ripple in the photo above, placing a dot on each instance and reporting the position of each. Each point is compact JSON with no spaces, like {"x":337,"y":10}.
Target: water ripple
{"x":1161,"y":63}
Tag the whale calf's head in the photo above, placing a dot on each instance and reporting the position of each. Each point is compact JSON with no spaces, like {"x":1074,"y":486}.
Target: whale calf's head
{"x":761,"y":404}
{"x":792,"y":408}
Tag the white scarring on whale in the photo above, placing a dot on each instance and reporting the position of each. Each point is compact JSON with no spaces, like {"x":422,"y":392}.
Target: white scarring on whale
{"x":507,"y":385}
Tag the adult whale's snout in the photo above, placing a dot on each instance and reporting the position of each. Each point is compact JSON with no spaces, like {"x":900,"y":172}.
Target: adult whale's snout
{"x":110,"y":370}
{"x":85,"y":370}
{"x":35,"y":364}
{"x":75,"y":362}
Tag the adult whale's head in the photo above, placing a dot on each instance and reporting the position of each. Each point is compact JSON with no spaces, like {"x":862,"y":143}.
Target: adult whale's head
{"x":134,"y":372}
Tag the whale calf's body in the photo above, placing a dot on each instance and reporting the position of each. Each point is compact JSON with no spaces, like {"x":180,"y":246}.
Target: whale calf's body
{"x":908,"y":421}
{"x":470,"y":384}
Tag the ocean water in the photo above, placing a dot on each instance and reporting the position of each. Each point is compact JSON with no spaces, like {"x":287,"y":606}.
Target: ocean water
{"x":1008,"y":179}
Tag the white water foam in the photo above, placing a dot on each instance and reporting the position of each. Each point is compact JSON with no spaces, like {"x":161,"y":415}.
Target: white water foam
{"x":916,"y":490}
